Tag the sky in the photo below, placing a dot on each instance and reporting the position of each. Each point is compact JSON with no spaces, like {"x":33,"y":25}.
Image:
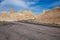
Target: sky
{"x":36,"y":6}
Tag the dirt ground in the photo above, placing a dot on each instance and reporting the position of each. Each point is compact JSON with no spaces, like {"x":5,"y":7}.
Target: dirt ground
{"x":24,"y":31}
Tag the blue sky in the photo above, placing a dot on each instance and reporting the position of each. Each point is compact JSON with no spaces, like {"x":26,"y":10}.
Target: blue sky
{"x":36,"y":6}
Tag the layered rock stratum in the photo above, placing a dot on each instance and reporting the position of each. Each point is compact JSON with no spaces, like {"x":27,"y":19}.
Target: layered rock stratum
{"x":15,"y":16}
{"x":50,"y":16}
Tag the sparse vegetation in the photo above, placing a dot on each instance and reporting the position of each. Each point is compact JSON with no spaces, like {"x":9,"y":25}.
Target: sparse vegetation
{"x":3,"y":22}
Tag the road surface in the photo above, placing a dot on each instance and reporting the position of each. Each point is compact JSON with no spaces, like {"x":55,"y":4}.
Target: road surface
{"x":24,"y":31}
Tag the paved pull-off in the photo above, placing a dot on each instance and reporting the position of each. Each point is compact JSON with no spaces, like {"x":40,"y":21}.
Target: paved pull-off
{"x":24,"y":31}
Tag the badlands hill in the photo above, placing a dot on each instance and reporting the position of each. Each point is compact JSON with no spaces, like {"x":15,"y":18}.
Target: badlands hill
{"x":11,"y":16}
{"x":50,"y":16}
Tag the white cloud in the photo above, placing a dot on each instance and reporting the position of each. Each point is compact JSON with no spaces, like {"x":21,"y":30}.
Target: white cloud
{"x":17,"y":3}
{"x":30,"y":3}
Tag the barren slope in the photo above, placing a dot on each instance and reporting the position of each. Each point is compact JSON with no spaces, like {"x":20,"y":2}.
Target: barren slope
{"x":15,"y":16}
{"x":51,"y":16}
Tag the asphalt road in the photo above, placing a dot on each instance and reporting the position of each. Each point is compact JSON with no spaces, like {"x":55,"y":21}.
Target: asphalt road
{"x":24,"y":31}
